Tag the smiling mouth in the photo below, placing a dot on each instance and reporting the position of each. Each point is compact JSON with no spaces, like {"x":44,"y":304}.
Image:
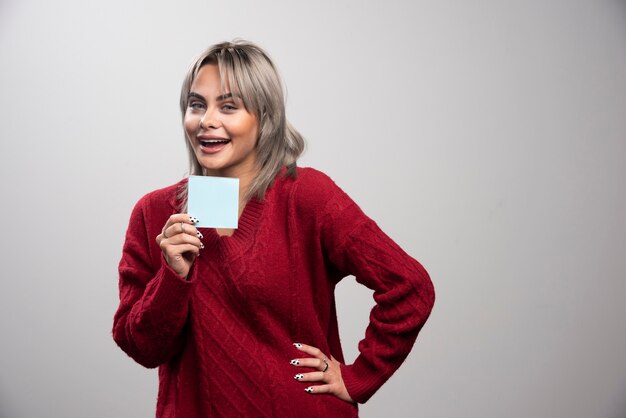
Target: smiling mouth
{"x":213,"y":142}
{"x":213,"y":145}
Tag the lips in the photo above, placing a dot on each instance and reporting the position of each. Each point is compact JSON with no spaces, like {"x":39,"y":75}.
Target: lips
{"x":213,"y":145}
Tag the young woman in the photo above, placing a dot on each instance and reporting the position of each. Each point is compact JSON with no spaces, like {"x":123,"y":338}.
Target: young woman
{"x":242,"y":322}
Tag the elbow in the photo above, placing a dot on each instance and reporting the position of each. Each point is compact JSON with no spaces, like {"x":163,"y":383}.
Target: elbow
{"x":148,"y":363}
{"x":143,"y":357}
{"x":420,"y":291}
{"x":425,"y":291}
{"x":428,"y":291}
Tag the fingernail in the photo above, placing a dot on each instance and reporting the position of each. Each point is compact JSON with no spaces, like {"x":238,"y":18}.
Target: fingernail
{"x":299,"y":376}
{"x":201,"y":246}
{"x":294,"y":362}
{"x":309,"y":389}
{"x":193,"y":220}
{"x":199,"y":234}
{"x":297,"y":345}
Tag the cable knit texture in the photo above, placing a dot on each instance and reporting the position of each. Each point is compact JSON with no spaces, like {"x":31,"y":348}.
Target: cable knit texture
{"x":223,"y":339}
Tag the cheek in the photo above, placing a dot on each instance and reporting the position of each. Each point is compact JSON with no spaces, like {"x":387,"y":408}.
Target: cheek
{"x":250,"y":129}
{"x":190,"y":124}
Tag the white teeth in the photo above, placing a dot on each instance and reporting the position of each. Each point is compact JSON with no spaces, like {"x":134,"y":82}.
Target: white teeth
{"x":214,"y":141}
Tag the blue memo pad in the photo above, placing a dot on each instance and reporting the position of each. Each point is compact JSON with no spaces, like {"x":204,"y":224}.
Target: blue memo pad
{"x":214,"y":201}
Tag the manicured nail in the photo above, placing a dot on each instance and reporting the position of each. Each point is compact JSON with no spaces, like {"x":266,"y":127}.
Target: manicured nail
{"x":299,"y":376}
{"x":294,"y":362}
{"x":193,"y":220}
{"x":309,"y":389}
{"x":297,"y":345}
{"x":201,"y":246}
{"x":199,"y":234}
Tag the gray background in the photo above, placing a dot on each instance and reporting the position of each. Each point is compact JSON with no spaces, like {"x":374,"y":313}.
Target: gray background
{"x":487,"y":137}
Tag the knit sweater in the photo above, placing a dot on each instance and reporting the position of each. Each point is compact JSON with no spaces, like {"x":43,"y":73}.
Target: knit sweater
{"x":222,"y":338}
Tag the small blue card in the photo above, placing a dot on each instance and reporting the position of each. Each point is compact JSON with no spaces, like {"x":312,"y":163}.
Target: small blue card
{"x":214,"y":201}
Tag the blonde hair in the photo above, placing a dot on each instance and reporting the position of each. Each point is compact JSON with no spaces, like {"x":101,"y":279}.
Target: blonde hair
{"x":248,"y":71}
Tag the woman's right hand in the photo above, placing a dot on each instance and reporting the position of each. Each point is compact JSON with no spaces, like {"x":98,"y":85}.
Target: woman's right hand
{"x":180,"y":242}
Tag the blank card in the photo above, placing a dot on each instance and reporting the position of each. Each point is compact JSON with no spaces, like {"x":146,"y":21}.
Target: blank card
{"x":214,"y":201}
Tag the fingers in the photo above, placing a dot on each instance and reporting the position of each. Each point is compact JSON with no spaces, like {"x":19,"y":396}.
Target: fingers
{"x":177,"y":218}
{"x":320,"y":389}
{"x":311,"y":377}
{"x":310,"y":350}
{"x":177,"y":230}
{"x":180,"y":223}
{"x":313,"y":363}
{"x":318,"y":361}
{"x":180,"y":243}
{"x":328,"y":372}
{"x":173,"y":250}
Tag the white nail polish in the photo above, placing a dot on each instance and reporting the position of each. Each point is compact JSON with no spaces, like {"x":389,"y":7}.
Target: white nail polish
{"x":309,"y":389}
{"x":294,"y":362}
{"x":297,"y":345}
{"x":299,"y":376}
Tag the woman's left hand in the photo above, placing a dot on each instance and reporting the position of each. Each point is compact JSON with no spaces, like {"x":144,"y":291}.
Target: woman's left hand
{"x":329,"y":373}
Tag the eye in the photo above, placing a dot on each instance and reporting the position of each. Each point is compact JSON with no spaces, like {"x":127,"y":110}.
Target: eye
{"x":229,"y":107}
{"x":196,"y":105}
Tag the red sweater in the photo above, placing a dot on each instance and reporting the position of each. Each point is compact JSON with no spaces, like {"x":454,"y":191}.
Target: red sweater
{"x":223,"y":339}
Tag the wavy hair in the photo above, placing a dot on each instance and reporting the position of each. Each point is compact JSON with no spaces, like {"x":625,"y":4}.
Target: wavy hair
{"x":248,"y":70}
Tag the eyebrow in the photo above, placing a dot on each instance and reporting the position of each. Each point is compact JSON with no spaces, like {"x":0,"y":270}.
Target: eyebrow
{"x":218,"y":98}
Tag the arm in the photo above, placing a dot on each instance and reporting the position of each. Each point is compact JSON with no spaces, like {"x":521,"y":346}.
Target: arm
{"x":403,"y":293}
{"x":154,"y":301}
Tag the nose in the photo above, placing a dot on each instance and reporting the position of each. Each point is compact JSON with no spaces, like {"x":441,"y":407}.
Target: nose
{"x":209,"y":120}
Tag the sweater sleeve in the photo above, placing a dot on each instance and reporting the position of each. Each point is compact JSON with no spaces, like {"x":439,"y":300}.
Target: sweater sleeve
{"x":403,"y":293}
{"x":154,"y":301}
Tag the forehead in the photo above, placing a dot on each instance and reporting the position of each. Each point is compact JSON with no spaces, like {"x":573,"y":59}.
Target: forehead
{"x":209,"y":80}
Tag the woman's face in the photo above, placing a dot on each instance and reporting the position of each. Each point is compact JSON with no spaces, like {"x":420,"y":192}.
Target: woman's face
{"x":222,"y":133}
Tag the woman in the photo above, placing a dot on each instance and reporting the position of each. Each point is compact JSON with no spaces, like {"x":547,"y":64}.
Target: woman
{"x":242,"y":322}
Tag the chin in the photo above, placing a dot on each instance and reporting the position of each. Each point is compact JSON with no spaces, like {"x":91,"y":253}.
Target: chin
{"x":212,"y":167}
